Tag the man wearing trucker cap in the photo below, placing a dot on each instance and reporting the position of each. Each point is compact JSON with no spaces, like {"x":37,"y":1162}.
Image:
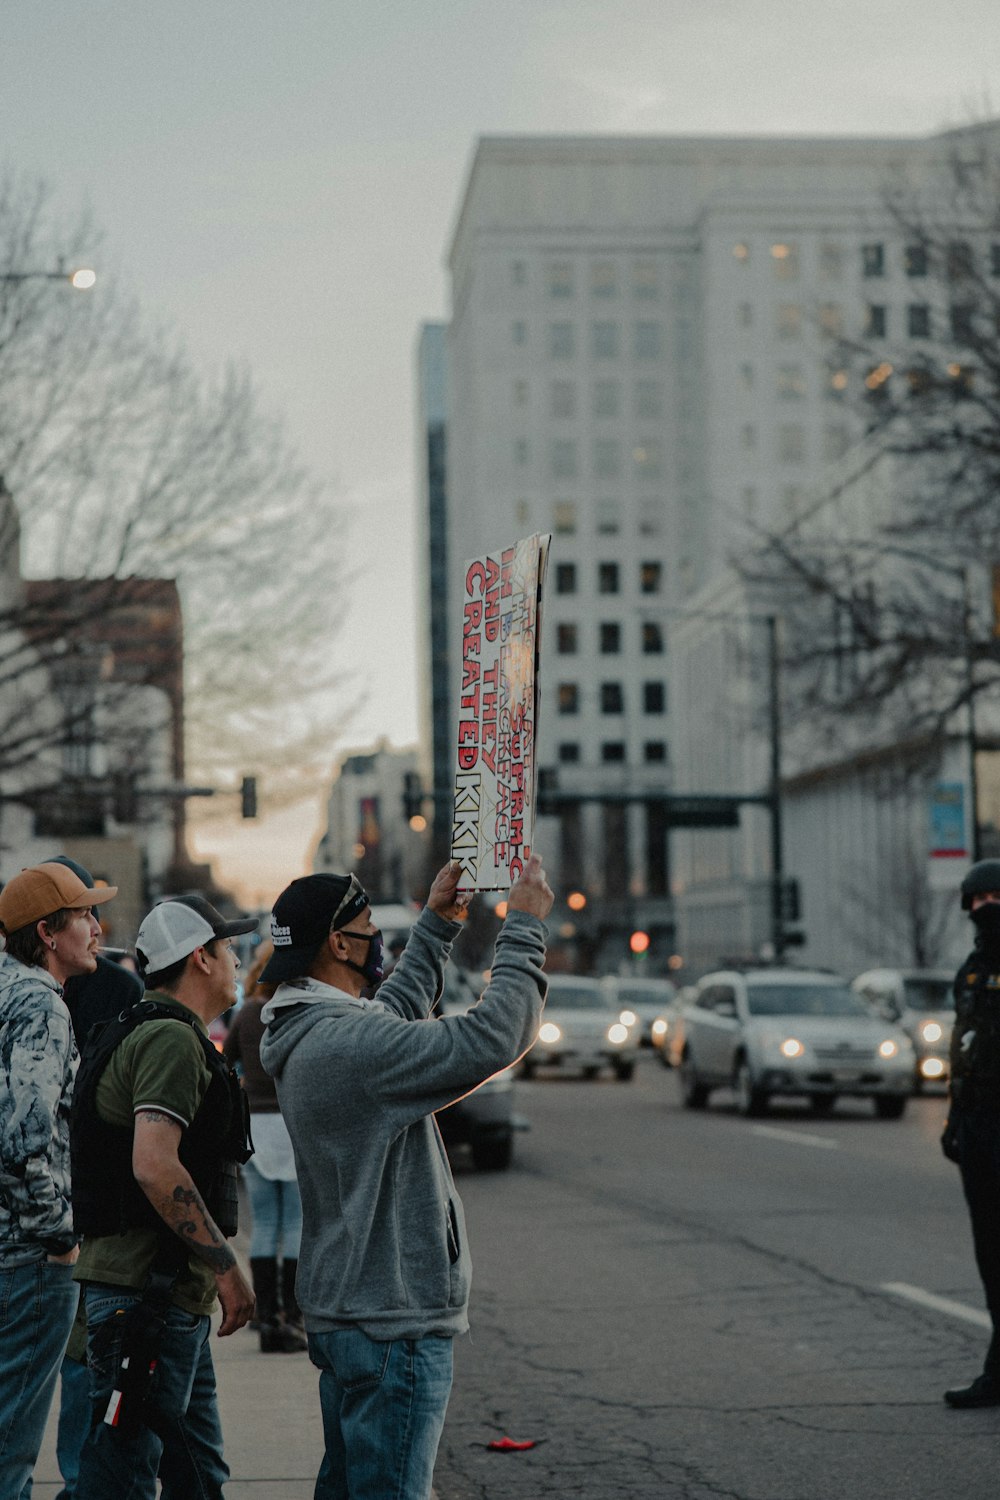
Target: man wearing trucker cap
{"x":50,"y":934}
{"x":384,"y":1269}
{"x":158,"y":1128}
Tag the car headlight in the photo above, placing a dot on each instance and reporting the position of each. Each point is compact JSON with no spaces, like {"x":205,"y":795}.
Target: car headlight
{"x":931,"y":1031}
{"x":888,"y":1048}
{"x":932,"y":1067}
{"x":628,"y":1018}
{"x":617,"y":1034}
{"x":549,"y":1032}
{"x":660,"y":1026}
{"x":791,"y":1047}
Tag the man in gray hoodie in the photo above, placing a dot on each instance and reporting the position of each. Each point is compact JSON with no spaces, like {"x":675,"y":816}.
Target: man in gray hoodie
{"x":384,"y":1269}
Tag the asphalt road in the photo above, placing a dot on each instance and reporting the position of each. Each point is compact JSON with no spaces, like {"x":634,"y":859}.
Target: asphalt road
{"x":678,"y":1304}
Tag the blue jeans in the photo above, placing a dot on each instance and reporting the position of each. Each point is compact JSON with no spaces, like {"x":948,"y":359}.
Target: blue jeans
{"x":183,"y":1439}
{"x":276,"y":1209}
{"x":383,"y":1407}
{"x":74,"y":1423}
{"x":37,"y":1308}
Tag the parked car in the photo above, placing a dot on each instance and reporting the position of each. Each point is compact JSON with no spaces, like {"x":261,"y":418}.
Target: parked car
{"x":653,"y":1003}
{"x":769,"y":1032}
{"x":921,"y":1000}
{"x":484,"y":1120}
{"x":582,"y":1028}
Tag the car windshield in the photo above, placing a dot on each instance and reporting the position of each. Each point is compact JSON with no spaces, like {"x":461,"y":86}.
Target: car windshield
{"x":568,"y":998}
{"x":804,"y":1000}
{"x":928,"y":994}
{"x":644,"y":994}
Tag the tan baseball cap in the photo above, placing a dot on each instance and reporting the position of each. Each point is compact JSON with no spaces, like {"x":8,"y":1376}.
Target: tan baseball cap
{"x":42,"y":889}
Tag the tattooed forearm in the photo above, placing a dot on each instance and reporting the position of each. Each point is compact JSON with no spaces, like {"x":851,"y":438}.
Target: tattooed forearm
{"x":185,"y":1212}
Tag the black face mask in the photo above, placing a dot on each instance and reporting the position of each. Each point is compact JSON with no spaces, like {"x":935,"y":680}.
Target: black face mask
{"x":987,"y":921}
{"x":373,"y":968}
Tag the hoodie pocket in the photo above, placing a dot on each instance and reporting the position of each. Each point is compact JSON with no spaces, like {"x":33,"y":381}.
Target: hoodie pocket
{"x":452,"y":1227}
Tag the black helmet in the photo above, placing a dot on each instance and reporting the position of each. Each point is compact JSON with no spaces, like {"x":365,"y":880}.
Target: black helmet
{"x":980,"y":880}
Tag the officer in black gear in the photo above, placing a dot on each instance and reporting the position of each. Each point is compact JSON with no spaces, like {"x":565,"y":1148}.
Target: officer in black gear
{"x":972,"y":1132}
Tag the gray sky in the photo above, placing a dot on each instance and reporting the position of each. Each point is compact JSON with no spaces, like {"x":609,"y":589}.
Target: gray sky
{"x":278,"y":179}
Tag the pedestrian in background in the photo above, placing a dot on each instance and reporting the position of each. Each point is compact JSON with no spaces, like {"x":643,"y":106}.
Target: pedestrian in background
{"x":276,"y":1231}
{"x":972,"y":1133}
{"x":384,"y":1271}
{"x":50,"y":934}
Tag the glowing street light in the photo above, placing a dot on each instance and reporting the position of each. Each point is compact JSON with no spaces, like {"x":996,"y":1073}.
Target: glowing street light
{"x":82,"y":278}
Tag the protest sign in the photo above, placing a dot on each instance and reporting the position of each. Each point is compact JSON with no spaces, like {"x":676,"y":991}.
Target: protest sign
{"x":496,"y":773}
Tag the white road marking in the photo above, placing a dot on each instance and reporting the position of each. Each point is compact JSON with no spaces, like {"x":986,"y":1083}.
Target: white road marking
{"x":938,"y":1304}
{"x":798,"y":1136}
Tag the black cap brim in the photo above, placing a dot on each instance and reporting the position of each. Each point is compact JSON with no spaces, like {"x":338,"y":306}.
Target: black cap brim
{"x":287,"y":963}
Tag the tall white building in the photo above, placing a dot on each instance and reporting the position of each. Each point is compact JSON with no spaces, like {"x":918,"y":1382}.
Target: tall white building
{"x":642,"y":360}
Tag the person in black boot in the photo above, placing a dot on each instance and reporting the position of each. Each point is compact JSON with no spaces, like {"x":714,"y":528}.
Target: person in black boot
{"x":972,"y":1132}
{"x":269,"y":1177}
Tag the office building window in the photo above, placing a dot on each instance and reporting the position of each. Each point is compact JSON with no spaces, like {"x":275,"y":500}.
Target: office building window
{"x":831,"y":260}
{"x":647,"y":459}
{"x":608,"y":516}
{"x":564,"y":462}
{"x":564,"y":517}
{"x":607,"y":458}
{"x":873,"y":260}
{"x":603,"y":278}
{"x":522,"y":512}
{"x":916,"y":261}
{"x":791,"y":382}
{"x":648,"y":340}
{"x":836,"y":385}
{"x":788,"y":320}
{"x":785,"y":260}
{"x":651,"y":512}
{"x":831,"y":319}
{"x":612,"y":752}
{"x":560,"y":278}
{"x":569,"y":752}
{"x":607,"y":578}
{"x":648,"y":398}
{"x":918,"y":320}
{"x":744,"y":314}
{"x":650,"y":577}
{"x":741,"y":252}
{"x":604,"y":340}
{"x":519,"y":331}
{"x":518,"y":273}
{"x":654,"y":698}
{"x":565,"y":578}
{"x":607,"y":398}
{"x":960,"y":263}
{"x":654,"y":752}
{"x":568,"y":698}
{"x":995,"y":259}
{"x":610,"y":638}
{"x":563,"y":398}
{"x":562,"y":340}
{"x":652,"y":638}
{"x":962,"y":319}
{"x":566,"y":639}
{"x":612,"y":698}
{"x":876,"y":321}
{"x":747,"y":377}
{"x":645,"y":280}
{"x":520,"y":452}
{"x":520,"y":393}
{"x":791,"y":442}
{"x":748,"y":437}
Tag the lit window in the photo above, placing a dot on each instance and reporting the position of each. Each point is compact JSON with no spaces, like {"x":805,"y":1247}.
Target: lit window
{"x":564,"y":517}
{"x":568,"y":698}
{"x":873,"y":260}
{"x":607,"y":398}
{"x":566,"y":640}
{"x":562,"y":340}
{"x":563,"y":398}
{"x":607,"y":578}
{"x":647,"y":459}
{"x":610,"y":636}
{"x":650,"y":577}
{"x":836,"y":385}
{"x":741,"y":251}
{"x":612,"y":698}
{"x":786,"y":261}
{"x":604,"y":339}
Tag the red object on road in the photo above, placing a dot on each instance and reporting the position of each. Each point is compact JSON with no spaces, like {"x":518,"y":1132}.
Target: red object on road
{"x":508,"y":1445}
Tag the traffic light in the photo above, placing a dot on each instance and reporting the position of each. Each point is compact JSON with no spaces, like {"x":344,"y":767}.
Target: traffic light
{"x":639,"y":944}
{"x":248,"y":796}
{"x":413,"y":795}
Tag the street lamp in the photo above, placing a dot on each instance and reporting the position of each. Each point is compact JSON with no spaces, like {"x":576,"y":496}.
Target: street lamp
{"x":82,"y":278}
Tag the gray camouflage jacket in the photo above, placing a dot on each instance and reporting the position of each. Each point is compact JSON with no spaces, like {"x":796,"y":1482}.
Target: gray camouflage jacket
{"x":38,"y":1062}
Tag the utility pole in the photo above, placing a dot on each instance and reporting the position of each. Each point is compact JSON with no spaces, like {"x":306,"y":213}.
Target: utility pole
{"x":777,"y":855}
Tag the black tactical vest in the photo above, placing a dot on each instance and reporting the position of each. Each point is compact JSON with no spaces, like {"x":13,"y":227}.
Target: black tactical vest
{"x":106,"y":1197}
{"x":975,"y":1039}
